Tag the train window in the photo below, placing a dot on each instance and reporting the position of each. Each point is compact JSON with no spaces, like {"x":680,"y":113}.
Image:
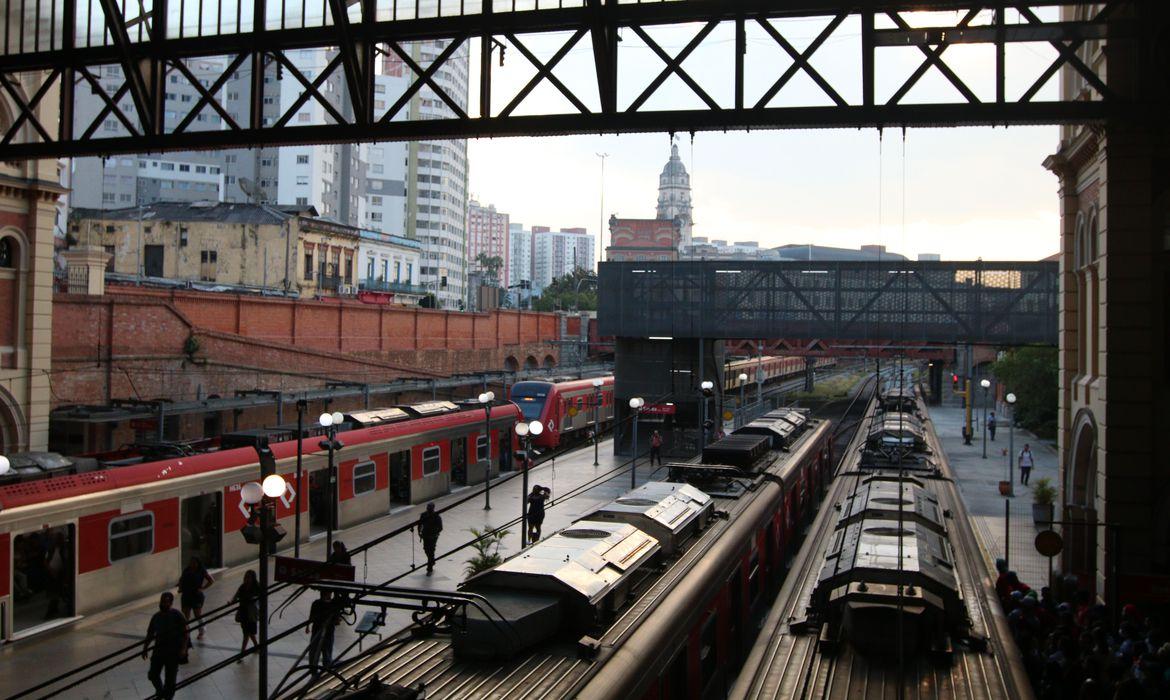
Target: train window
{"x":708,"y":659}
{"x":432,"y":462}
{"x":754,"y":577}
{"x":131,"y":535}
{"x":364,"y":478}
{"x":481,"y":448}
{"x":675,"y":679}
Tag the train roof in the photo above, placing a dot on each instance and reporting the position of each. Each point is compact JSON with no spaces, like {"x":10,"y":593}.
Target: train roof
{"x":28,"y":493}
{"x":569,"y":385}
{"x":666,"y":510}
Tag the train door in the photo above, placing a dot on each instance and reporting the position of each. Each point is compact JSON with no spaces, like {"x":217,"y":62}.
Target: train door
{"x":399,"y":478}
{"x":319,"y":510}
{"x":43,"y":576}
{"x":201,"y":517}
{"x":459,"y":461}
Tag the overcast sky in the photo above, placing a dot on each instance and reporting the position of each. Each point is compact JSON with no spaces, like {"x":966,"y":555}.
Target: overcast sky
{"x":967,"y":192}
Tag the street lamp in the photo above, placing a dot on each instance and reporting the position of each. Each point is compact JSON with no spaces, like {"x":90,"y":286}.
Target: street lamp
{"x":331,"y":422}
{"x":526,"y":431}
{"x":5,"y":465}
{"x":742,"y":380}
{"x":1011,"y":402}
{"x":259,"y":497}
{"x":986,"y":384}
{"x":636,"y":405}
{"x":596,"y":415}
{"x":486,"y":399}
{"x":705,"y":389}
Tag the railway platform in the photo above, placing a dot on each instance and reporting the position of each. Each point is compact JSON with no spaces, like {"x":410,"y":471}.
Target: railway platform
{"x":978,"y":481}
{"x":54,"y":652}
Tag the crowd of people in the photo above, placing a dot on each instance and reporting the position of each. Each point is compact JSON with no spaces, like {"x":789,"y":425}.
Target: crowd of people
{"x":1073,"y":648}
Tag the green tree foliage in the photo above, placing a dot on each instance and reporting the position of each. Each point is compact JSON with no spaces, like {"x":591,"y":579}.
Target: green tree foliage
{"x":487,"y":551}
{"x":490,"y":265}
{"x":562,"y":294}
{"x":1031,"y":374}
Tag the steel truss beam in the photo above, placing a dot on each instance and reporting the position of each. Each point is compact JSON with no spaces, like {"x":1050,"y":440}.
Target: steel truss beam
{"x":899,"y":302}
{"x":357,"y":30}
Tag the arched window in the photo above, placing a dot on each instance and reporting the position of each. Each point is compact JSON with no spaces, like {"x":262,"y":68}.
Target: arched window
{"x":7,"y":252}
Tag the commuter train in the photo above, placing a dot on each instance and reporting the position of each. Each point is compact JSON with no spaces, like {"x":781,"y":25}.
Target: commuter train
{"x":103,"y":532}
{"x":566,"y":408}
{"x":890,"y":590}
{"x":657,"y":594}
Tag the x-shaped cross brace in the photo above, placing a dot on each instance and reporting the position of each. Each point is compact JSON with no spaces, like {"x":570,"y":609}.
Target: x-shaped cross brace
{"x":205,"y":94}
{"x":27,"y":109}
{"x":544,"y":71}
{"x":933,"y":58}
{"x":674,"y":65}
{"x":800,"y":61}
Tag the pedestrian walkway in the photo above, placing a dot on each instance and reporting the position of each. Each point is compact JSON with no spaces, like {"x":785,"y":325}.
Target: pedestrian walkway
{"x":978,"y":481}
{"x":52,"y":653}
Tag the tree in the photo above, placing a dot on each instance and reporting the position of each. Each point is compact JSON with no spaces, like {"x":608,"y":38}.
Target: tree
{"x":1031,"y":373}
{"x":487,"y":551}
{"x":576,"y":290}
{"x":490,"y":266}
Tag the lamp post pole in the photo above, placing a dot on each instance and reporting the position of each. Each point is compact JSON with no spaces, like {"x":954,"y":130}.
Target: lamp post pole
{"x":331,"y":421}
{"x":705,"y":389}
{"x":302,"y":404}
{"x":486,"y":399}
{"x":259,"y":498}
{"x":742,"y":380}
{"x":636,"y":404}
{"x":986,"y":384}
{"x":1011,"y":401}
{"x":526,"y":431}
{"x":596,"y":416}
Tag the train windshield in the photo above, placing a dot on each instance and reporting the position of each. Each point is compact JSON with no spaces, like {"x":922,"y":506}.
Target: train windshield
{"x":530,"y":397}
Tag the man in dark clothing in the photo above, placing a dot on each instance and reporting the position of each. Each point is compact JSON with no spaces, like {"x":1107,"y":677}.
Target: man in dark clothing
{"x":430,"y":524}
{"x":991,"y":423}
{"x":168,"y":631}
{"x":322,"y":622}
{"x":536,"y":501}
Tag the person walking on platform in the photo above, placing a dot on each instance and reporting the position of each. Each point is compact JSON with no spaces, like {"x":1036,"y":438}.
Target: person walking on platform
{"x":248,"y":614}
{"x":168,"y":631}
{"x":322,"y":622}
{"x":536,"y":501}
{"x":991,"y":426}
{"x":656,"y":448}
{"x":192,"y":582}
{"x":430,"y":524}
{"x":1026,"y":463}
{"x":340,"y":555}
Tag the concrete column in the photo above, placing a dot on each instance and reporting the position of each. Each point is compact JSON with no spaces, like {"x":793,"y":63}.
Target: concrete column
{"x":87,"y":270}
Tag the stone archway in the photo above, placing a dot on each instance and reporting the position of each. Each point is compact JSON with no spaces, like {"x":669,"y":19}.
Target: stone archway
{"x":1080,"y":496}
{"x":13,"y":437}
{"x":511,"y":364}
{"x":531,"y":363}
{"x":549,"y":362}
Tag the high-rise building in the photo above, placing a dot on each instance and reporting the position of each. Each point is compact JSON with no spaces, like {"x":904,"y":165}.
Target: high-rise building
{"x":487,"y":234}
{"x":558,"y":253}
{"x":674,"y":195}
{"x":519,"y":257}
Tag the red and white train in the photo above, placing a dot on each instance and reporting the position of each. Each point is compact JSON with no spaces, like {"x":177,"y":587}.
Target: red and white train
{"x":80,"y":542}
{"x":772,"y":368}
{"x":567,"y":409}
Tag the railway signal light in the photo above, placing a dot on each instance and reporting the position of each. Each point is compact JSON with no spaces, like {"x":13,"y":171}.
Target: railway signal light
{"x":955,"y":382}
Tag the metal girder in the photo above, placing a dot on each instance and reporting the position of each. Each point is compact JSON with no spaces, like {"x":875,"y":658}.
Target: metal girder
{"x":357,"y":31}
{"x":901,"y":302}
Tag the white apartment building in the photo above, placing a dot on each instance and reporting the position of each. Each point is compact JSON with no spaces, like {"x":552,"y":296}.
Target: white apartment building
{"x":558,"y":253}
{"x":519,"y":259}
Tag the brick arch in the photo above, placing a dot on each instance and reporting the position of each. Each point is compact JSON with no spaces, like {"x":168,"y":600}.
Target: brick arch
{"x":511,"y":364}
{"x":549,"y":362}
{"x":531,"y":363}
{"x":1080,"y":496}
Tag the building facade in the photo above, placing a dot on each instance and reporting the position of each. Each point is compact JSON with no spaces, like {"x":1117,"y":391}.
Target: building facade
{"x":1114,"y":338}
{"x":390,"y":268}
{"x":558,"y":253}
{"x":487,"y":235}
{"x":674,"y":195}
{"x":519,"y":261}
{"x":643,"y":239}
